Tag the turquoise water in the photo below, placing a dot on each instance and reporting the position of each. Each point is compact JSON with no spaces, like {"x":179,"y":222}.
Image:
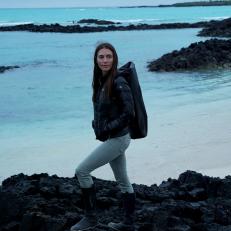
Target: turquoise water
{"x":48,"y":99}
{"x":54,"y":81}
{"x":152,"y":15}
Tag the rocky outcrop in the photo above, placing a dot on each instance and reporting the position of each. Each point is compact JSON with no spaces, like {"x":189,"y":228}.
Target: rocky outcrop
{"x":86,"y":29}
{"x":212,"y":53}
{"x":6,"y":68}
{"x":192,"y":202}
{"x":217,"y":29}
{"x":98,"y":22}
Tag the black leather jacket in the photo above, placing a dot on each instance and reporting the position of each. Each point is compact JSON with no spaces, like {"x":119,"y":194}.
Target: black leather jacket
{"x":112,"y":116}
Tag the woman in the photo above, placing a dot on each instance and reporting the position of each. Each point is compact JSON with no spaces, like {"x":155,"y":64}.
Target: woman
{"x":113,"y":110}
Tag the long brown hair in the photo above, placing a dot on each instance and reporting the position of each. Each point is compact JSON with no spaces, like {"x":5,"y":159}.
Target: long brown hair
{"x":97,"y":72}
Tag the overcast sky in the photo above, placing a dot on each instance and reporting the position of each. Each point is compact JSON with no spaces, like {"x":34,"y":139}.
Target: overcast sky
{"x":82,"y":3}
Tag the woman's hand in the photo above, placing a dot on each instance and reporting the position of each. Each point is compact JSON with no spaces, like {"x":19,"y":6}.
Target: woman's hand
{"x":101,"y":130}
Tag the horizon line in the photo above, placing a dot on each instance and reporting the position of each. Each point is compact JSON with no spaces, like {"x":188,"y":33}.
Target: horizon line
{"x":30,"y":7}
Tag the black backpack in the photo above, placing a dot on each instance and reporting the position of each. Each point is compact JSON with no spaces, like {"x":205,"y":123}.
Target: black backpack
{"x":138,"y":127}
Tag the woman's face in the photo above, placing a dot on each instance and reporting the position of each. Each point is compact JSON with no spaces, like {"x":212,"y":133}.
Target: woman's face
{"x":105,"y":60}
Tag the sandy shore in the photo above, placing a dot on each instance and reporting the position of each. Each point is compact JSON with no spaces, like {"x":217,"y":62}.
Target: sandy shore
{"x":195,"y":137}
{"x":191,"y":137}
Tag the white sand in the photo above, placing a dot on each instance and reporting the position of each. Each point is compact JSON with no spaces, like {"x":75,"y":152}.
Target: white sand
{"x":195,"y":137}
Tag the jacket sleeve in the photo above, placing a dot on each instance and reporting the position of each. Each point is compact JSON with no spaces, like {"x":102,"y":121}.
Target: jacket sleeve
{"x":125,"y":99}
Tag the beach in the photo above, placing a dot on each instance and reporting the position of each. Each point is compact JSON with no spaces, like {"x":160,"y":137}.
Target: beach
{"x":46,"y":107}
{"x":187,"y":138}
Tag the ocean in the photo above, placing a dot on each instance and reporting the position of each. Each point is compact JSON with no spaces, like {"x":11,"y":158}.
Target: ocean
{"x":46,"y":109}
{"x":153,"y":15}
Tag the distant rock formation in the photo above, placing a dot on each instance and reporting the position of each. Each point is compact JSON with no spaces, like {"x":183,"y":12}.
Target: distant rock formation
{"x":200,"y":3}
{"x":98,"y":22}
{"x":40,"y":202}
{"x":186,"y":4}
{"x":217,"y":29}
{"x":86,"y":29}
{"x":6,"y":68}
{"x":213,"y":53}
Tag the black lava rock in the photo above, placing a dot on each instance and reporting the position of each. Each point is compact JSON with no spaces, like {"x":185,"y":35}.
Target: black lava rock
{"x":213,"y":53}
{"x":6,"y":68}
{"x":217,"y":29}
{"x":49,"y":203}
{"x":97,"y":21}
{"x":57,"y":28}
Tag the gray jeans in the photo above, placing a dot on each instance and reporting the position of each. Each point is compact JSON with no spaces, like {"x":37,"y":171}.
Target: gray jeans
{"x":111,"y":151}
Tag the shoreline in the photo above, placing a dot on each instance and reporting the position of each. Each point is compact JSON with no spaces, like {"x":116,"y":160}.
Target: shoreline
{"x":174,"y":144}
{"x":148,"y":145}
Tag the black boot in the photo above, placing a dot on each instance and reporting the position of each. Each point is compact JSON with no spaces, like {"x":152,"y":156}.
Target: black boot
{"x":90,"y":218}
{"x":129,"y":208}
